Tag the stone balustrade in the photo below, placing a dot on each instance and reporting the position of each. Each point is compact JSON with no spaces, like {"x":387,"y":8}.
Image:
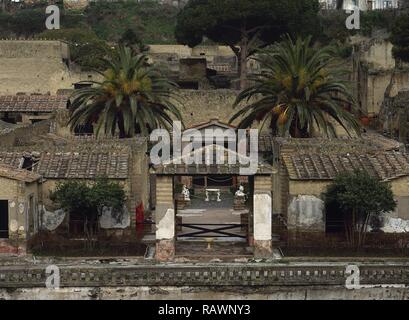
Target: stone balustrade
{"x":216,"y":275}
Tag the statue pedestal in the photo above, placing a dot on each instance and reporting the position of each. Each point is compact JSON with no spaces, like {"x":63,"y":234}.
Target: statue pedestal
{"x":239,"y":203}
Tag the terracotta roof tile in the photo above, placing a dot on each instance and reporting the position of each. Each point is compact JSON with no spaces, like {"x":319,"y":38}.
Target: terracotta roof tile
{"x":319,"y":166}
{"x":74,"y":165}
{"x":34,"y":103}
{"x":13,"y":173}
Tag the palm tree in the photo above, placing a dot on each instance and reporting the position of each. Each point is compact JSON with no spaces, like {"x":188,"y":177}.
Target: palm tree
{"x":132,"y":98}
{"x":298,"y":90}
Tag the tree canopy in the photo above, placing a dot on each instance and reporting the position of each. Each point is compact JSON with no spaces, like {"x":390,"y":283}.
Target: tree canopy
{"x":358,"y":196}
{"x":133,"y":97}
{"x":298,"y":90}
{"x":245,"y":25}
{"x":88,"y":200}
{"x":400,"y":38}
{"x":86,"y":49}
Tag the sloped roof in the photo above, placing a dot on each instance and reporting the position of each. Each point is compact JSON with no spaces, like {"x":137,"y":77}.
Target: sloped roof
{"x":74,"y":165}
{"x":33,"y":103}
{"x":319,"y":166}
{"x":369,"y":141}
{"x":212,"y":122}
{"x":13,"y":173}
{"x":178,"y":166}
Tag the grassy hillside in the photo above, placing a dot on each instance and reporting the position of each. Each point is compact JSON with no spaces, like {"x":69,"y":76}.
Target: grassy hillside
{"x":155,"y":23}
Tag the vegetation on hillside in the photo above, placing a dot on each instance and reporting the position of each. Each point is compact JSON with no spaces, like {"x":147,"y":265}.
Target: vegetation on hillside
{"x":151,"y":22}
{"x":154,"y":22}
{"x":400,"y":38}
{"x":245,"y":25}
{"x":86,"y":49}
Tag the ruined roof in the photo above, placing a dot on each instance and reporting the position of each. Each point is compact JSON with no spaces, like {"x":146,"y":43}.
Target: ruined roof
{"x":10,"y":172}
{"x":319,"y":166}
{"x":6,"y":127}
{"x":73,"y":165}
{"x":33,"y":103}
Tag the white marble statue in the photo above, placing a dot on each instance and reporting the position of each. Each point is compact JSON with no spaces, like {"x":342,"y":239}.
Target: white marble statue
{"x":240,"y":192}
{"x":186,"y":193}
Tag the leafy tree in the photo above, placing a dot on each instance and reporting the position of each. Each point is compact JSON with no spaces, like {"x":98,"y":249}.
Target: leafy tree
{"x":73,"y":18}
{"x":133,"y":98}
{"x":400,"y":38}
{"x":245,"y":25}
{"x":340,"y":4}
{"x":28,"y":22}
{"x":110,"y":19}
{"x":86,"y":49}
{"x":359,"y":197}
{"x":88,"y":200}
{"x":130,"y":39}
{"x":298,"y":90}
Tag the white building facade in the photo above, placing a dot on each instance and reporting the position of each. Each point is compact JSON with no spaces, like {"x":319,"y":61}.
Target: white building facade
{"x":362,"y":4}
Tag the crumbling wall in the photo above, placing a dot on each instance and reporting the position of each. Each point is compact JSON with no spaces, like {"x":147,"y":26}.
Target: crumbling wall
{"x":199,"y":106}
{"x":306,"y":212}
{"x":24,"y":135}
{"x":375,"y":72}
{"x":36,"y":66}
{"x":17,"y":194}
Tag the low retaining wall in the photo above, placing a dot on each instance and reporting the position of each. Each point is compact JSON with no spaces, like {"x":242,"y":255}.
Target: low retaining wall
{"x":205,"y":293}
{"x":215,"y":275}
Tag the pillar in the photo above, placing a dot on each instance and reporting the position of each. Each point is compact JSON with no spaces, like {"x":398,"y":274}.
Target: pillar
{"x":262,"y":215}
{"x":165,"y":219}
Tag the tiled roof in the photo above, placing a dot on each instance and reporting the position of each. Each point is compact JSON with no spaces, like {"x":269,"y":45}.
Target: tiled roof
{"x":74,"y":165}
{"x":318,"y":166}
{"x":13,"y":173}
{"x":179,"y":165}
{"x":34,"y":103}
{"x":368,"y":141}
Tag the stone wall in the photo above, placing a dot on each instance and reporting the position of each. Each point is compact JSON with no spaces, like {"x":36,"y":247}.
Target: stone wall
{"x":36,"y":66}
{"x":23,"y":136}
{"x":200,"y":106}
{"x":23,"y":220}
{"x":206,"y":293}
{"x":374,"y":71}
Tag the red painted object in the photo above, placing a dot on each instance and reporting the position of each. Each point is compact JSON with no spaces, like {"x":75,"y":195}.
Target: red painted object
{"x":139,"y":214}
{"x":365,"y":121}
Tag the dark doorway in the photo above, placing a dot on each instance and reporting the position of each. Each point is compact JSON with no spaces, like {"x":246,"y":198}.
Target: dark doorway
{"x":84,"y":130}
{"x":77,"y":226}
{"x":219,"y":181}
{"x":334,"y":219}
{"x":188,"y":85}
{"x":4,"y":219}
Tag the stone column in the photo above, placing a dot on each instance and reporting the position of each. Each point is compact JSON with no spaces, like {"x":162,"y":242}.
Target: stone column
{"x":165,"y":219}
{"x":262,"y":215}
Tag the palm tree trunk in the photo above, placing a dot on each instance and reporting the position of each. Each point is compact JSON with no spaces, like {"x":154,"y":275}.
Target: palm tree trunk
{"x":121,"y":125}
{"x":244,"y":52}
